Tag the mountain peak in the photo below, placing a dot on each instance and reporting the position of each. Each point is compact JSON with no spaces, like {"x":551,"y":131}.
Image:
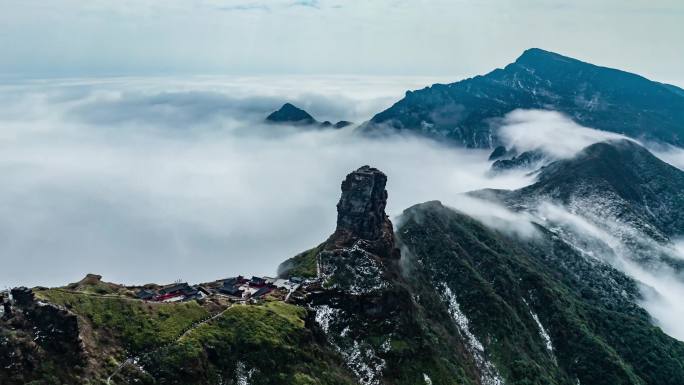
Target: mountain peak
{"x":549,"y":62}
{"x":361,"y":209}
{"x":290,"y":113}
{"x":591,"y":95}
{"x":538,"y":54}
{"x":646,"y":191}
{"x":361,"y":212}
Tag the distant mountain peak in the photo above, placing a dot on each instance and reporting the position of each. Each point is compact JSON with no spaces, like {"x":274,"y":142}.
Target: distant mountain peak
{"x":293,"y":115}
{"x":289,"y":113}
{"x":538,"y":54}
{"x":466,"y":112}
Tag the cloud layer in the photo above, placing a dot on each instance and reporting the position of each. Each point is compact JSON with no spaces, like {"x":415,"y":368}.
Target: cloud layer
{"x":153,"y":180}
{"x":549,"y":131}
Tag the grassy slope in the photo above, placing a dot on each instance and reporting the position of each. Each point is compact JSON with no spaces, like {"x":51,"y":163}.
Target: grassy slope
{"x":301,"y":265}
{"x":267,"y":343}
{"x":137,"y":326}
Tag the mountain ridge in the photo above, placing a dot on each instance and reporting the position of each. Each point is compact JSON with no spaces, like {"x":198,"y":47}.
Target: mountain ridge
{"x":469,"y":111}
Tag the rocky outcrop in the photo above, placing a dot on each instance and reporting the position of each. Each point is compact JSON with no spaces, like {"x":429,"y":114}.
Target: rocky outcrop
{"x":360,"y":255}
{"x":528,"y":160}
{"x":361,"y":216}
{"x":39,"y":340}
{"x":6,"y":307}
{"x":498,"y":153}
{"x":23,"y":296}
{"x":365,"y":306}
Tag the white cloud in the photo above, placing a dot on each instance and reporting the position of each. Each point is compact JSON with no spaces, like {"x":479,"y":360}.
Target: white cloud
{"x":135,"y":180}
{"x":549,"y":131}
{"x":662,"y":288}
{"x":494,"y":215}
{"x":670,"y":154}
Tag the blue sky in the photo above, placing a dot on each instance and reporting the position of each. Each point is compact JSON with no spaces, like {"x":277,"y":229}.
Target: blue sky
{"x":370,"y":37}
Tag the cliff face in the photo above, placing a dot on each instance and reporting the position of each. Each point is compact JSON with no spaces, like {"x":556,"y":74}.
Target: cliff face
{"x":361,"y":209}
{"x":361,"y":252}
{"x":468,"y":304}
{"x":39,"y":340}
{"x":365,"y":310}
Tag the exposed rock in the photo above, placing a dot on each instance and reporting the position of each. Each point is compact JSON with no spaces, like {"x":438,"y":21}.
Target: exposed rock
{"x":6,"y":307}
{"x":499,"y":152}
{"x":91,"y":279}
{"x":364,"y":296}
{"x":361,"y":254}
{"x":361,"y":213}
{"x":23,"y":296}
{"x":40,"y":340}
{"x":526,"y":160}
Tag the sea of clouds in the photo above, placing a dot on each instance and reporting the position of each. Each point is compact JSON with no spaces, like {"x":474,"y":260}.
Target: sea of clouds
{"x":156,"y":179}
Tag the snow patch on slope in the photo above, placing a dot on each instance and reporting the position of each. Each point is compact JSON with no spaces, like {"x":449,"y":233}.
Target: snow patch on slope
{"x":489,"y":374}
{"x":542,"y":331}
{"x":353,"y":270}
{"x":243,"y":376}
{"x":359,"y":357}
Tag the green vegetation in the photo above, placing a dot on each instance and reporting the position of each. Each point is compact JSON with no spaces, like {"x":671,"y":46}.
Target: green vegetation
{"x":599,"y":335}
{"x":301,"y":265}
{"x":135,"y":325}
{"x":266,"y":343}
{"x":505,"y":287}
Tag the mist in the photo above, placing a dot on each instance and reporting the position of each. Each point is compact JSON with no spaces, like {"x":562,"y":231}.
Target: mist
{"x":662,"y":287}
{"x":557,"y":136}
{"x":550,"y":132}
{"x":153,"y":180}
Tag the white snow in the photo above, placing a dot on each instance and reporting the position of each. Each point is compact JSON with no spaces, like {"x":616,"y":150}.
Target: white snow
{"x":488,"y":373}
{"x":542,"y":331}
{"x":359,"y":357}
{"x":324,"y":316}
{"x":243,"y":376}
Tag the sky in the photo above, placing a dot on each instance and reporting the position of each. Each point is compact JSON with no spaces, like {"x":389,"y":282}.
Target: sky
{"x":452,"y":38}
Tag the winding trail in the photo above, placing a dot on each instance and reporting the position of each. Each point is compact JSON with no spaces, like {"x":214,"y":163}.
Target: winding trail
{"x":132,"y":359}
